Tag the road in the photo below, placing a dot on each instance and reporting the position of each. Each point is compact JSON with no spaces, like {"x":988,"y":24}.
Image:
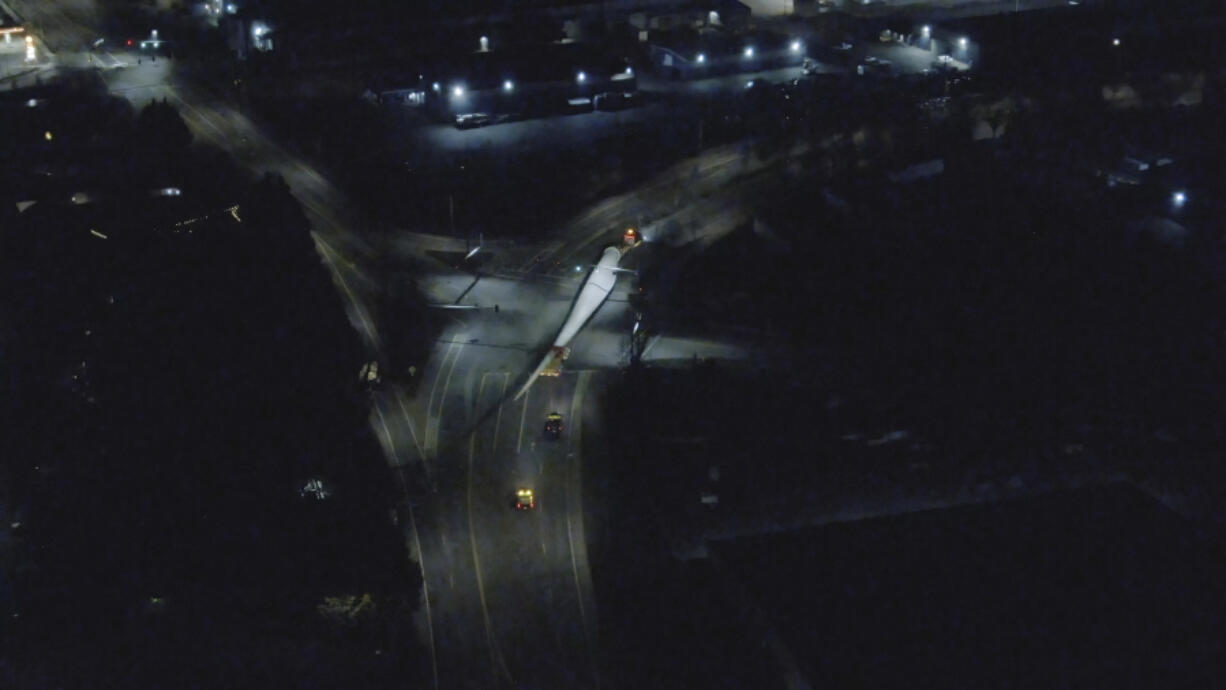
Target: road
{"x":655,"y":106}
{"x":508,"y":597}
{"x":510,"y":590}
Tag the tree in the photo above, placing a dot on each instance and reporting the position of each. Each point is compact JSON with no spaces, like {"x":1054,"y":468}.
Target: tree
{"x":159,"y":127}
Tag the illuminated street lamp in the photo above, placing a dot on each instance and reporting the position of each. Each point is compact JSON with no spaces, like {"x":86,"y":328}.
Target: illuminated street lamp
{"x":962,"y":43}
{"x":507,"y":86}
{"x":700,"y":59}
{"x":457,"y":91}
{"x":1178,"y":199}
{"x":1115,"y":42}
{"x":748,"y":51}
{"x":581,"y":77}
{"x":485,"y":44}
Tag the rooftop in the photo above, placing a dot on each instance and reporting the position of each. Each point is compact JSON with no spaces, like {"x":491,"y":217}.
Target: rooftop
{"x":1098,"y":586}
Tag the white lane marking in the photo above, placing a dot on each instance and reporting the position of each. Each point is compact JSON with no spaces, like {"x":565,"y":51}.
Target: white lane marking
{"x":425,"y":589}
{"x":491,"y":643}
{"x":572,"y":473}
{"x":371,"y":334}
{"x":433,"y":388}
{"x":329,"y":254}
{"x":506,"y":379}
{"x":421,"y":556}
{"x":421,"y":452}
{"x":540,"y":256}
{"x":432,"y":418}
{"x":221,"y":138}
{"x":519,"y":442}
{"x":442,"y":535}
{"x":389,"y":445}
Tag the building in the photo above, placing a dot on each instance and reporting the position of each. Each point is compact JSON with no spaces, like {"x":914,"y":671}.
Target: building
{"x":11,"y":26}
{"x":689,"y":54}
{"x":520,"y":80}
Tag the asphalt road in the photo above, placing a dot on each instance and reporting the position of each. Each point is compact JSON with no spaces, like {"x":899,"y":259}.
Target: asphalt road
{"x":508,"y":599}
{"x":510,"y":591}
{"x":577,"y":130}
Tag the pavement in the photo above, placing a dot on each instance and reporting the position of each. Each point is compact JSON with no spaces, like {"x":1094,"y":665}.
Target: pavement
{"x":508,"y":600}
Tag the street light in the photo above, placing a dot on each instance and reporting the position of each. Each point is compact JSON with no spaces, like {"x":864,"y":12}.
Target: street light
{"x":457,"y":91}
{"x":1179,"y":199}
{"x":581,"y":77}
{"x":962,"y":43}
{"x":700,"y":59}
{"x":795,"y":47}
{"x":507,"y":85}
{"x":926,"y":30}
{"x":1115,"y":42}
{"x":748,"y":51}
{"x":485,"y":44}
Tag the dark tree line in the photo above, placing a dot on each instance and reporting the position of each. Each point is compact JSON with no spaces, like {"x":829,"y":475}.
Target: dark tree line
{"x":181,"y":367}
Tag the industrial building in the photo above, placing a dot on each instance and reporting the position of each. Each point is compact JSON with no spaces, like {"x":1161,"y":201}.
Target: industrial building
{"x":689,"y":54}
{"x":518,"y":80}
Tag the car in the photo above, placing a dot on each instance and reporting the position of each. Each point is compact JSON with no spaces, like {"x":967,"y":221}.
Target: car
{"x":553,"y":425}
{"x":525,"y":499}
{"x":614,"y":100}
{"x":473,"y":120}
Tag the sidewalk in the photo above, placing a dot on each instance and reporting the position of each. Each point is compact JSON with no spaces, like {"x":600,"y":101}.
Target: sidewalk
{"x":31,"y":76}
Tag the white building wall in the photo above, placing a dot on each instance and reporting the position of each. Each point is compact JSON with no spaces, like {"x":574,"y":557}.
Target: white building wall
{"x":770,"y":8}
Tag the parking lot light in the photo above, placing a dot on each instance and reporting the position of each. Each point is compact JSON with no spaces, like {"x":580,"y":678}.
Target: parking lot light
{"x":457,"y":91}
{"x":795,"y":47}
{"x":748,"y":51}
{"x":1115,"y":42}
{"x":581,"y":77}
{"x":507,"y":85}
{"x":1179,"y":199}
{"x":962,"y":43}
{"x":700,"y":59}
